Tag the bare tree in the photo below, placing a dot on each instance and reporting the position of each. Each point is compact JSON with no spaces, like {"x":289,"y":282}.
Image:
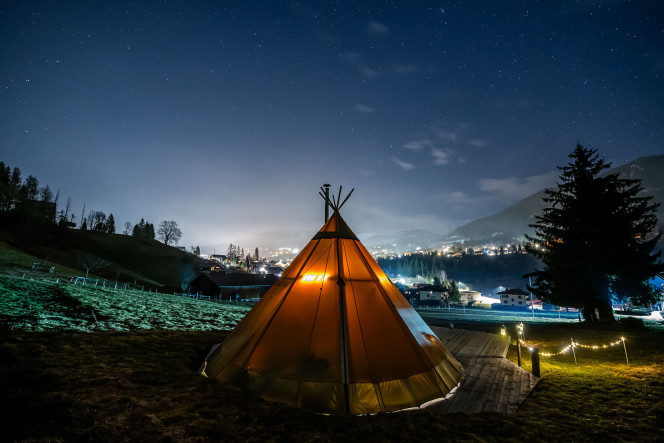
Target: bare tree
{"x":65,"y":214}
{"x":90,"y":262}
{"x":127,"y":228}
{"x":45,"y":194}
{"x":31,"y":188}
{"x":96,"y":221}
{"x":169,"y":232}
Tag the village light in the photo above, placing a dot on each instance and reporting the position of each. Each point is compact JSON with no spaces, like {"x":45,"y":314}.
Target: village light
{"x":503,"y":330}
{"x":520,"y":331}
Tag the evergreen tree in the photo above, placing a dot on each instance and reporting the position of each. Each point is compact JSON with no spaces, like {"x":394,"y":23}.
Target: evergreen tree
{"x":15,"y":182}
{"x":142,"y":229}
{"x":30,"y":188}
{"x":139,"y":229}
{"x":149,"y":231}
{"x":5,"y":181}
{"x":110,"y":224}
{"x":595,"y":240}
{"x":256,"y":254}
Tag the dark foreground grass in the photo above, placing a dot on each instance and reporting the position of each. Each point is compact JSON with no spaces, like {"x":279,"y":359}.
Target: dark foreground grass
{"x":143,"y":386}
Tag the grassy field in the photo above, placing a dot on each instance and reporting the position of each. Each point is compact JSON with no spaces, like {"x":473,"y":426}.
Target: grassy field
{"x":30,"y":304}
{"x":130,"y":259}
{"x":131,"y":375}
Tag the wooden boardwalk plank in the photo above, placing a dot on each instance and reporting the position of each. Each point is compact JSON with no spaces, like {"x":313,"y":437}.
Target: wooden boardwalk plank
{"x":490,"y":382}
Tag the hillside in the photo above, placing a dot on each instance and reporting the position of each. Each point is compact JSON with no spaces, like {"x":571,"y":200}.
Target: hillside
{"x":403,"y":240}
{"x":130,"y":259}
{"x":511,"y":224}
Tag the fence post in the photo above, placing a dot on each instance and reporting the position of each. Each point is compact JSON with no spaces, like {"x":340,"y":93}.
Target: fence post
{"x":625,"y":348}
{"x":518,"y":351}
{"x":535,"y":362}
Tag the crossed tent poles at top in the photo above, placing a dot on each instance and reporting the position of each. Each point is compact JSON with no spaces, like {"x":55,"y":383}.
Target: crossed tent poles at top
{"x":335,"y":204}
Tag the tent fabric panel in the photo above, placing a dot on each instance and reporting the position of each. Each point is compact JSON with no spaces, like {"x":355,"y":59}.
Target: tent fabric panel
{"x":321,"y":260}
{"x":363,"y":398}
{"x":425,"y":387}
{"x":322,"y":397}
{"x":449,"y":373}
{"x":325,"y":342}
{"x":332,"y":224}
{"x":241,"y":342}
{"x":376,"y":335}
{"x":354,"y":267}
{"x":282,"y":348}
{"x":294,"y":268}
{"x":279,"y":389}
{"x":419,"y":330}
{"x":396,"y":396}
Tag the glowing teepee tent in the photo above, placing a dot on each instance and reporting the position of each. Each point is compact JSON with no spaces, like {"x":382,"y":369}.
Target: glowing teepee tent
{"x":335,"y":335}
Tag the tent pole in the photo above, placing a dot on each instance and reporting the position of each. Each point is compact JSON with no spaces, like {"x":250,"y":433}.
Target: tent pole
{"x":343,"y":325}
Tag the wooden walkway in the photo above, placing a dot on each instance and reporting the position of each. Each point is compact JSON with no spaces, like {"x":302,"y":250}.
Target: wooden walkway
{"x":491,"y":382}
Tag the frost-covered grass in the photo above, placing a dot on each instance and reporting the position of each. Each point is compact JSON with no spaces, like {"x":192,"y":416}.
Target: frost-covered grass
{"x":38,"y":305}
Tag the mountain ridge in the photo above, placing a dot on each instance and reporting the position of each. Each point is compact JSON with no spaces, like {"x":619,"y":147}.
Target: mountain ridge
{"x":511,"y":224}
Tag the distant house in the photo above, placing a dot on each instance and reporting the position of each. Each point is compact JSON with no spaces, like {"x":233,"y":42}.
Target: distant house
{"x":515,"y":297}
{"x":232,"y":286}
{"x":209,"y":266}
{"x":470,"y":296}
{"x":273,"y":270}
{"x":429,"y":296}
{"x":220,"y":258}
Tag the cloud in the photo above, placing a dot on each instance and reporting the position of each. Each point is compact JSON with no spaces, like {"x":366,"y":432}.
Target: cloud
{"x":368,"y":72}
{"x":417,"y":145}
{"x":364,"y":109}
{"x":377,"y":29}
{"x":480,"y":143}
{"x":404,"y":165}
{"x":446,"y":135}
{"x":516,"y":188}
{"x":441,"y":156}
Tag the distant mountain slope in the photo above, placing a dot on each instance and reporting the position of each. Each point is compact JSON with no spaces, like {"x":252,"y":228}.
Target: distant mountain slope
{"x":511,"y":224}
{"x":403,"y":240}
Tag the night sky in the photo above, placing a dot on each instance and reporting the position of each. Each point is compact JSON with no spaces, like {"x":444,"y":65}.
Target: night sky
{"x":228,"y":116}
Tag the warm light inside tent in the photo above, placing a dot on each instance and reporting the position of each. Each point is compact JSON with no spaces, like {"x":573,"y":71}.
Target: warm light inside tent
{"x":314,"y":277}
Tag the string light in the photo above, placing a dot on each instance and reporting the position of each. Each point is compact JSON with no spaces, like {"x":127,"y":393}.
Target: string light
{"x":575,"y":344}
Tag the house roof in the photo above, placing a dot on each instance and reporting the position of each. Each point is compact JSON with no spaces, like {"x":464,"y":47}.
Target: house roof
{"x":222,"y":280}
{"x":515,"y":291}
